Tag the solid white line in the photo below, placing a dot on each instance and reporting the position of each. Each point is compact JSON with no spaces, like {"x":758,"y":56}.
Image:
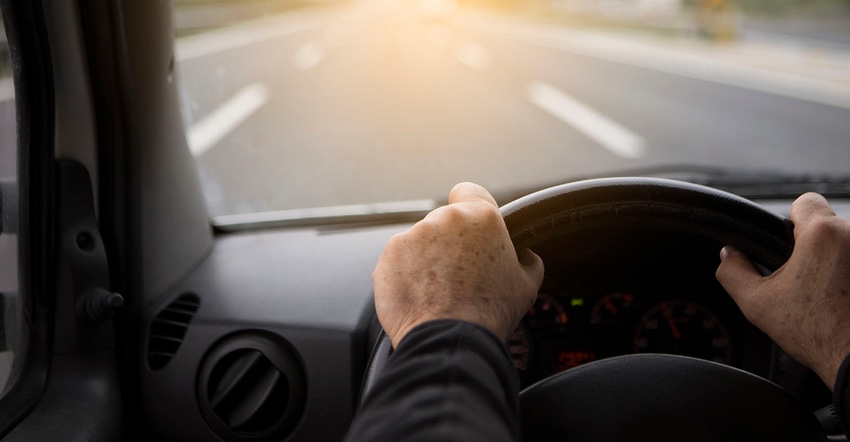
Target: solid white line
{"x":610,"y":135}
{"x":200,"y":45}
{"x":472,"y":55}
{"x":7,"y":89}
{"x":623,"y":51}
{"x":211,"y":129}
{"x":309,"y":55}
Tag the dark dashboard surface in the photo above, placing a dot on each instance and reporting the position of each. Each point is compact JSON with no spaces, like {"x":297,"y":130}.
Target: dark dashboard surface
{"x":308,"y":291}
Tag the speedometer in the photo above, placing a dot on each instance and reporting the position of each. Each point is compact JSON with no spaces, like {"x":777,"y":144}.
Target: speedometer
{"x":684,"y":328}
{"x":612,"y":323}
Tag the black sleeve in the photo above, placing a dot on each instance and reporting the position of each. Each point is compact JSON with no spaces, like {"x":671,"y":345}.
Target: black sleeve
{"x":841,"y":393}
{"x":448,"y":380}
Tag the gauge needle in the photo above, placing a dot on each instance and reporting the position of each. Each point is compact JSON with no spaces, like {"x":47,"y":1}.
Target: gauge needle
{"x":610,"y":306}
{"x":670,"y":322}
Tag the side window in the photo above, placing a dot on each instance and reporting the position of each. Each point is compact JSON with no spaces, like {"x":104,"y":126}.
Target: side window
{"x":12,"y":334}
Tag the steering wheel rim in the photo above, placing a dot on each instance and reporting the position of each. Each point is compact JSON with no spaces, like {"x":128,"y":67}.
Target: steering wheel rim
{"x":721,"y":216}
{"x":573,"y":208}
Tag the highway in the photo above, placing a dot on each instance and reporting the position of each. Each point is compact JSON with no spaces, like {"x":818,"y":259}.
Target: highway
{"x":380,"y":101}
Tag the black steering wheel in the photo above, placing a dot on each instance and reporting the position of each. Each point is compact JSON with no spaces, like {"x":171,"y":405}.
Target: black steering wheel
{"x":651,"y":396}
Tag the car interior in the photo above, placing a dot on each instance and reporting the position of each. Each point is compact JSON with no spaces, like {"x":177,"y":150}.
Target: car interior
{"x":129,"y":313}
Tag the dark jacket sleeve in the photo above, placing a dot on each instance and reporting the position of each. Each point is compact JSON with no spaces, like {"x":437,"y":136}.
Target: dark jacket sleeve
{"x":448,"y":380}
{"x":841,"y":393}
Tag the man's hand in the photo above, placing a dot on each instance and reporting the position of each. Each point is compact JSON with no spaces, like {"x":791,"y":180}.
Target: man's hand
{"x":805,"y":305}
{"x":457,"y":263}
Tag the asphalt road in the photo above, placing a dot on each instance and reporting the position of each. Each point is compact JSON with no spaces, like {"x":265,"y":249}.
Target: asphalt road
{"x":381,"y":102}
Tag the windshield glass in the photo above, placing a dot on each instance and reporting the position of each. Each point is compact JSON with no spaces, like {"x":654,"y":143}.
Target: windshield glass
{"x":302,"y":104}
{"x":13,"y":323}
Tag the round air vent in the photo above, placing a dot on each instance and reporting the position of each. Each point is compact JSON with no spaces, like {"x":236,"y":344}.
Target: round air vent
{"x":251,"y":387}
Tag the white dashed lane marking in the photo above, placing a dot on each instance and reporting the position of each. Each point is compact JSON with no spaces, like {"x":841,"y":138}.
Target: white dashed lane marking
{"x":308,"y":56}
{"x":609,"y":134}
{"x":211,"y":129}
{"x":208,"y":43}
{"x":472,"y":55}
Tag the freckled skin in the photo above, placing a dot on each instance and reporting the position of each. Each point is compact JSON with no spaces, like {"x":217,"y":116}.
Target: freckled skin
{"x":447,"y":247}
{"x":803,"y":306}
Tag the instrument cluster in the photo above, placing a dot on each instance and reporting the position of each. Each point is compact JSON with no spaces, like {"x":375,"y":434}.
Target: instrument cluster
{"x":563,"y":331}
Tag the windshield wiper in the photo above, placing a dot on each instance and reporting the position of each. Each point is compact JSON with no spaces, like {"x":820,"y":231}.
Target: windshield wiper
{"x":748,"y":184}
{"x":780,"y":187}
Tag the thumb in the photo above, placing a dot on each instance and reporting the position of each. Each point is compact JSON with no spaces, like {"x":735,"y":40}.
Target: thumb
{"x":737,"y":275}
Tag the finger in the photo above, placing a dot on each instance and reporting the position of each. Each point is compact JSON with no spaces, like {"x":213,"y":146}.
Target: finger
{"x":737,"y":275}
{"x":470,"y":192}
{"x":533,"y":266}
{"x":808,"y":207}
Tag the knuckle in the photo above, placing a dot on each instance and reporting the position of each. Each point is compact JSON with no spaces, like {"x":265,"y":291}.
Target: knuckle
{"x":454,"y":213}
{"x":443,"y":215}
{"x":824,"y":228}
{"x":807,"y":199}
{"x":807,"y":202}
{"x":490,"y":216}
{"x":395,"y":244}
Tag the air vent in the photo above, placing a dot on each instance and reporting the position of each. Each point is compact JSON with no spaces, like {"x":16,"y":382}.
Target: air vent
{"x":168,"y":328}
{"x":251,"y":387}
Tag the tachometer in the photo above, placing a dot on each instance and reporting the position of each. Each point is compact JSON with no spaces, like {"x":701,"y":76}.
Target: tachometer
{"x":683,"y":328}
{"x":547,"y":315}
{"x":612,"y":309}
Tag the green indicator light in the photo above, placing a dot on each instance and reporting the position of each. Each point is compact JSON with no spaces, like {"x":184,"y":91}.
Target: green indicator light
{"x":576,"y":302}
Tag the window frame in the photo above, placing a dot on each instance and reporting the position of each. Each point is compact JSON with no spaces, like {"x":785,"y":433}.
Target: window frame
{"x":32,"y":76}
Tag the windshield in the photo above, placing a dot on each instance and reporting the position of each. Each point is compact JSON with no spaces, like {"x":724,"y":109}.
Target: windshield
{"x":307,"y":104}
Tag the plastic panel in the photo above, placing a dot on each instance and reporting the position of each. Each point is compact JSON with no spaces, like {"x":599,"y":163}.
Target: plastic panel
{"x":311,"y":287}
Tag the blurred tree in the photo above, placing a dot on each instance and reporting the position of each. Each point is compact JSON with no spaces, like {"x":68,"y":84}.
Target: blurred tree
{"x":716,"y":20}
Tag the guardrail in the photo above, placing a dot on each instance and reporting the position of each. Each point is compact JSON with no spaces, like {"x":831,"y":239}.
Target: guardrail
{"x":195,"y":15}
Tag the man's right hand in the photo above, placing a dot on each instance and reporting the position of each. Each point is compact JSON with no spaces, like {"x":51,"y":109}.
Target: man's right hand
{"x":805,"y":305}
{"x":457,"y":263}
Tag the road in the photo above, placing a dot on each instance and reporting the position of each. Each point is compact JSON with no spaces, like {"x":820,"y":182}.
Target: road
{"x":381,"y":102}
{"x":378,"y":103}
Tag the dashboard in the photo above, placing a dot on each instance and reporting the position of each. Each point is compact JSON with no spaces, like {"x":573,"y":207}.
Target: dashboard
{"x":605,"y":293}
